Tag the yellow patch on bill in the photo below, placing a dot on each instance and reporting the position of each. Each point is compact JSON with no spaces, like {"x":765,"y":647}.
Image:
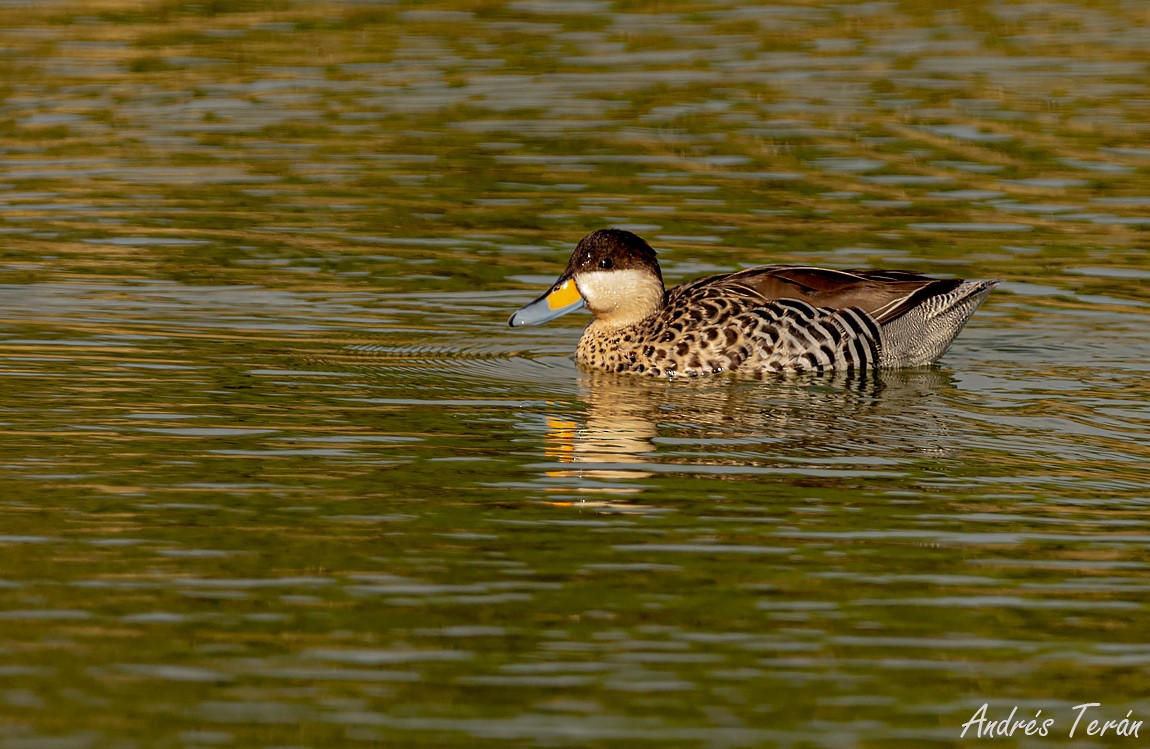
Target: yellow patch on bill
{"x":565,"y":295}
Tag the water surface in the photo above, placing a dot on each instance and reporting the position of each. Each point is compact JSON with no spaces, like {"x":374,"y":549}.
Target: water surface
{"x":276,"y":473}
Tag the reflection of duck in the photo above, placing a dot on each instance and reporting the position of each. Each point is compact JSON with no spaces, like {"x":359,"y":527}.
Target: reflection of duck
{"x":802,"y":424}
{"x":765,"y":319}
{"x":616,"y":435}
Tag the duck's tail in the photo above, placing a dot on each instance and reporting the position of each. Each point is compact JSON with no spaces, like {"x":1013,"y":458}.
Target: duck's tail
{"x":925,"y":331}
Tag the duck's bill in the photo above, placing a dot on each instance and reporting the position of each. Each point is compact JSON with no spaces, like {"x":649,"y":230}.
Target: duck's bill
{"x":561,"y":299}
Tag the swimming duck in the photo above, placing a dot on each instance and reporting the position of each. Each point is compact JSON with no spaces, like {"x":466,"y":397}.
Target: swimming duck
{"x":771,"y":318}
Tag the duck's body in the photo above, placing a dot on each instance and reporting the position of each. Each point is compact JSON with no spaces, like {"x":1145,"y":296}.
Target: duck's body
{"x":767,"y":319}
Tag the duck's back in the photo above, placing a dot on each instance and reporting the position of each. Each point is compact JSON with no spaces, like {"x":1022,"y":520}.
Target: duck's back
{"x":882,"y":294}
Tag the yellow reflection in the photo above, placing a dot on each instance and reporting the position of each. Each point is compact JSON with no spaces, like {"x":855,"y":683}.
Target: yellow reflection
{"x":560,"y":443}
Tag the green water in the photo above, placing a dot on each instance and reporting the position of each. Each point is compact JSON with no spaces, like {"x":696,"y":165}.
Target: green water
{"x":276,"y":473}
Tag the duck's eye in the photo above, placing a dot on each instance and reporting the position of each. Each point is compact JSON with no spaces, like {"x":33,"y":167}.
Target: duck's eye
{"x":605,"y":263}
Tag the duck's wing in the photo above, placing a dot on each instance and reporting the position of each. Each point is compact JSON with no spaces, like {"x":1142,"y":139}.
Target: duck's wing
{"x":884,"y":294}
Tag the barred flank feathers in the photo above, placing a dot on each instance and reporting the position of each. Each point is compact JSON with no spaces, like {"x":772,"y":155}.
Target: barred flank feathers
{"x":818,"y":339}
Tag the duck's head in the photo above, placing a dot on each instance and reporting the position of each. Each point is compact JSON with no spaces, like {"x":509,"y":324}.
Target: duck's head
{"x":612,"y":272}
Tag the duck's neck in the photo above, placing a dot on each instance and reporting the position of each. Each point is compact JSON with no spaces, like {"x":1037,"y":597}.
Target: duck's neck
{"x":621,"y":298}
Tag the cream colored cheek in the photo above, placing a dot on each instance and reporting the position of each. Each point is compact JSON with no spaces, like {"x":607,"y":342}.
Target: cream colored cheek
{"x":609,"y":289}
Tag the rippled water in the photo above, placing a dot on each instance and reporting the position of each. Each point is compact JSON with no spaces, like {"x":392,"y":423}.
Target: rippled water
{"x":276,"y":473}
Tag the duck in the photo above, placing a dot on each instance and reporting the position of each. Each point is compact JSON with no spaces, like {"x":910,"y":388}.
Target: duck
{"x":760,"y":320}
